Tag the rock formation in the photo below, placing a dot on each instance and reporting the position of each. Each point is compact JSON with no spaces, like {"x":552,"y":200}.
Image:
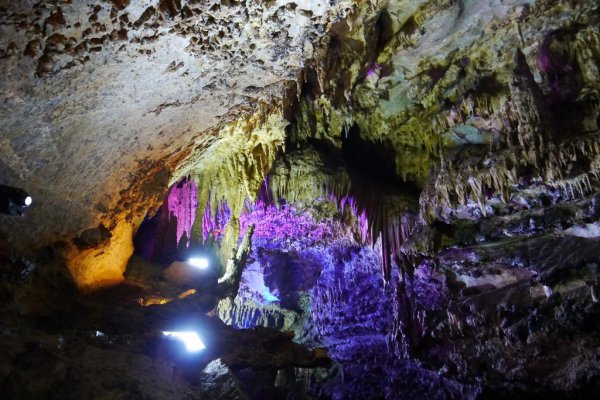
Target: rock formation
{"x":392,"y":199}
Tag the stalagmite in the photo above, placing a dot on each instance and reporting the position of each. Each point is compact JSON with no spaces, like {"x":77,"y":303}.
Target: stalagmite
{"x":229,"y":283}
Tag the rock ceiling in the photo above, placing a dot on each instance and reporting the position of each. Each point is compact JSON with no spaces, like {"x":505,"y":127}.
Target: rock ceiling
{"x":106,"y":103}
{"x":96,"y":95}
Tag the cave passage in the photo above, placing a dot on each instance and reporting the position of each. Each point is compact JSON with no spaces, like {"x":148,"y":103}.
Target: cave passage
{"x":299,"y":200}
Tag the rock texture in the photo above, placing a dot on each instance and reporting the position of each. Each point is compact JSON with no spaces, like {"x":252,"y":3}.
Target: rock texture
{"x":464,"y":105}
{"x":102,"y":99}
{"x":420,"y":181}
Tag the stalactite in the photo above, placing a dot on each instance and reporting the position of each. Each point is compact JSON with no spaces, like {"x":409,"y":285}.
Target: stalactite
{"x":214,"y":220}
{"x":531,"y":110}
{"x":160,"y":235}
{"x":182,"y":202}
{"x":378,"y":221}
{"x":501,"y":173}
{"x":232,"y":172}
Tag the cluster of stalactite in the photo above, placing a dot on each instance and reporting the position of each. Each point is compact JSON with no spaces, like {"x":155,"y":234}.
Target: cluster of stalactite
{"x":219,"y":181}
{"x":181,"y":204}
{"x":241,"y":159}
{"x":244,"y":313}
{"x":161,"y":234}
{"x":377,"y":223}
{"x":215,"y":218}
{"x":380,"y":218}
{"x":535,"y":155}
{"x":207,"y":203}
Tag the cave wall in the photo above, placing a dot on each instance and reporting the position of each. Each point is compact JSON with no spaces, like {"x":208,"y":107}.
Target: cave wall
{"x":94,"y":90}
{"x":505,"y":128}
{"x":102,"y":101}
{"x":487,"y":111}
{"x":423,"y":177}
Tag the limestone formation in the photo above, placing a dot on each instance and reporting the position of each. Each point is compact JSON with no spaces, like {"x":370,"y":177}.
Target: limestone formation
{"x":345,"y":199}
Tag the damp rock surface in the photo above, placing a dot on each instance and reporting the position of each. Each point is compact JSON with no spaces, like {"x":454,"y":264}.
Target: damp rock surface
{"x":416,"y":184}
{"x":98,"y":96}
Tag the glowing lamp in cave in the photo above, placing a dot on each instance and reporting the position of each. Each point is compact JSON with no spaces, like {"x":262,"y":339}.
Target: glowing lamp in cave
{"x":198,"y":262}
{"x":191,"y":340}
{"x":13,"y":201}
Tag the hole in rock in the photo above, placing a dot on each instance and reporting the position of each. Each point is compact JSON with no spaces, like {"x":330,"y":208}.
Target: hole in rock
{"x":373,"y":163}
{"x":384,"y":30}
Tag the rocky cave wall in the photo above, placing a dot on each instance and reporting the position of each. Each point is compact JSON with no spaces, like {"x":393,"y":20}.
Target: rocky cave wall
{"x":487,"y":113}
{"x":421,"y":176}
{"x":102,"y":101}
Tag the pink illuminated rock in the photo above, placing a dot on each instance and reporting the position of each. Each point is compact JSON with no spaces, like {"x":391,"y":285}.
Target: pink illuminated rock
{"x":182,"y":202}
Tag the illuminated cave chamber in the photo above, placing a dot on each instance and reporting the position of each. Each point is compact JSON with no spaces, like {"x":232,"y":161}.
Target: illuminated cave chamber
{"x":300,"y":199}
{"x":426,"y":258}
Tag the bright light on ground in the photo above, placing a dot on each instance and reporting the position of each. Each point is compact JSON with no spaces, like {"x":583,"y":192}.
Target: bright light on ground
{"x":28,"y":200}
{"x":192,"y":341}
{"x":198,"y":262}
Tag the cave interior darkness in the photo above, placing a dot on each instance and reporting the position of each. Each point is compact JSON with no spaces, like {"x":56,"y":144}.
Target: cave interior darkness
{"x":295,"y":200}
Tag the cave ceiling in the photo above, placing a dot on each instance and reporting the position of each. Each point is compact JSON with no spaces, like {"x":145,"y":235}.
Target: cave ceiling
{"x":106,"y":103}
{"x":97,"y":95}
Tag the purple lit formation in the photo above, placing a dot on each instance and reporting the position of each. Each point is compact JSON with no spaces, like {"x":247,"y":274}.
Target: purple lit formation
{"x":214,"y":225}
{"x":285,"y":223}
{"x":333,"y":285}
{"x":160,"y":235}
{"x":279,"y":222}
{"x":182,"y":202}
{"x":325,"y":282}
{"x":375,"y":223}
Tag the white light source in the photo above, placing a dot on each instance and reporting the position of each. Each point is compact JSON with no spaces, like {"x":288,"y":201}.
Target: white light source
{"x":191,"y":340}
{"x":198,"y":262}
{"x":28,"y":200}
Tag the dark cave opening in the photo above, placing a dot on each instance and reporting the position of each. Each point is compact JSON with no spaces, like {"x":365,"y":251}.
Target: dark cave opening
{"x":372,"y":165}
{"x":384,"y":31}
